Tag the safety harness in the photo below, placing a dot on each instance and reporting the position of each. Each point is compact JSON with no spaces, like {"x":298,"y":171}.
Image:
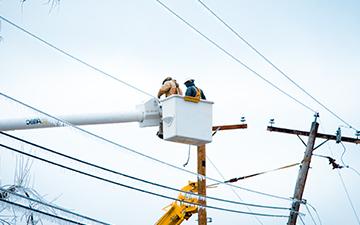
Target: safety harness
{"x":195,"y":99}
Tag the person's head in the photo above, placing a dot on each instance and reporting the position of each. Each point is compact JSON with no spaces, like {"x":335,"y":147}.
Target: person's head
{"x":166,"y":79}
{"x":189,"y":82}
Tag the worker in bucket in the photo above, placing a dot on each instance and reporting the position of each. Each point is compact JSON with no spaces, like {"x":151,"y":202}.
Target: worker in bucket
{"x":169,"y":87}
{"x":192,"y":90}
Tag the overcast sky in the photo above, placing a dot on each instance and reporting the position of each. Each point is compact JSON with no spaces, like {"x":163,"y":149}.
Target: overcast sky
{"x":316,"y":43}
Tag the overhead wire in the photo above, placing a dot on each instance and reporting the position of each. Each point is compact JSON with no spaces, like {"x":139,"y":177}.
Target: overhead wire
{"x":40,"y":212}
{"x":65,"y":123}
{"x":301,"y":219}
{"x":353,"y":169}
{"x":273,"y":64}
{"x":135,"y":188}
{"x":52,"y":206}
{"x":349,"y":198}
{"x":336,"y":165}
{"x":232,"y":180}
{"x":342,"y":155}
{"x":312,"y":218}
{"x":317,"y":214}
{"x":81,"y":61}
{"x":232,"y":189}
{"x":74,"y":57}
{"x":346,"y":165}
{"x":345,"y":188}
{"x":234,"y":58}
{"x":132,"y":177}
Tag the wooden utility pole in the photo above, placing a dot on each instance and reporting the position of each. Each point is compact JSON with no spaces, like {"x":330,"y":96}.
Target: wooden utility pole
{"x":305,"y":164}
{"x":202,"y":184}
{"x":303,"y":172}
{"x":201,"y":169}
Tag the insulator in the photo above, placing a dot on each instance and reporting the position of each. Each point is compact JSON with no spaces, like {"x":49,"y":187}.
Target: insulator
{"x":338,"y":135}
{"x":242,"y":119}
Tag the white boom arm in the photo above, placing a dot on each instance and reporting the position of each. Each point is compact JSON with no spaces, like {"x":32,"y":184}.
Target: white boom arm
{"x":147,"y":114}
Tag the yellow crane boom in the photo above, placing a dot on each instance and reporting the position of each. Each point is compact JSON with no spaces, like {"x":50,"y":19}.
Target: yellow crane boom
{"x":179,"y":211}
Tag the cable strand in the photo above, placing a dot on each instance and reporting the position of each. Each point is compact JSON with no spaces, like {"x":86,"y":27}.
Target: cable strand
{"x":52,"y":206}
{"x":65,"y":123}
{"x":132,"y":177}
{"x":232,"y":189}
{"x":135,"y":188}
{"x":234,"y":58}
{"x":273,"y":65}
{"x":75,"y":58}
{"x":40,"y":212}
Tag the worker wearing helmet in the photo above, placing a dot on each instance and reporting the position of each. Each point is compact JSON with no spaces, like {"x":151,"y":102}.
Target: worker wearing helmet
{"x":169,"y":87}
{"x":192,"y":90}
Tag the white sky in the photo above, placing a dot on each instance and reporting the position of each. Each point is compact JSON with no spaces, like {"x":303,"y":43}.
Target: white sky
{"x":315,"y":43}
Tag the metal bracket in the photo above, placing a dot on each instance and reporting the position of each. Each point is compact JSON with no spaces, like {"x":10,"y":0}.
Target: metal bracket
{"x":321,"y":144}
{"x":151,"y":111}
{"x":301,"y":140}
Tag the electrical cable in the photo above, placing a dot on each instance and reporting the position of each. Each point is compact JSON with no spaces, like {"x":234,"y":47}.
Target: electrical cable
{"x":349,"y":198}
{"x":317,"y":214}
{"x":75,"y":58}
{"x":273,"y":65}
{"x":135,"y":188}
{"x":312,"y":218}
{"x":188,"y":157}
{"x":337,"y":166}
{"x":41,"y":212}
{"x":132,"y":177}
{"x":52,"y":206}
{"x":342,"y":155}
{"x":65,"y":123}
{"x":232,"y":180}
{"x":232,"y":189}
{"x":234,"y":58}
{"x":301,"y":219}
{"x":345,"y":189}
{"x":331,"y":161}
{"x":357,"y":172}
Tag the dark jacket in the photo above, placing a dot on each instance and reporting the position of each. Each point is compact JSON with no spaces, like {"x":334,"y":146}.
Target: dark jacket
{"x":192,"y":90}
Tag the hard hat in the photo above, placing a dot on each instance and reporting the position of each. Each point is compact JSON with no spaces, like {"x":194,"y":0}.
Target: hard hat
{"x":190,"y":80}
{"x":166,"y":79}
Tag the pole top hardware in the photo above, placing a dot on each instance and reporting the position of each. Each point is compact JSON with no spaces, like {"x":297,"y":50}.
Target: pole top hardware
{"x":272,"y":122}
{"x":316,"y":115}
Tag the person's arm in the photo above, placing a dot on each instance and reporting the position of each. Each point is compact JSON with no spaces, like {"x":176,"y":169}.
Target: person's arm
{"x":165,"y":88}
{"x":180,"y":91}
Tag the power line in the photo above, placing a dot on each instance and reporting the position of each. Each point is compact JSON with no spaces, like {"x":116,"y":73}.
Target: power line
{"x":357,"y":172}
{"x":301,"y":219}
{"x":342,"y":155}
{"x":312,"y":218}
{"x":317,"y":214}
{"x":345,"y":189}
{"x":132,"y":177}
{"x":232,"y":189}
{"x":273,"y":65}
{"x":74,"y":57}
{"x":40,"y":212}
{"x":135,"y":188}
{"x":232,"y":180}
{"x":336,"y":166}
{"x":65,"y":123}
{"x":52,"y":206}
{"x":235,"y":58}
{"x":349,"y":198}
